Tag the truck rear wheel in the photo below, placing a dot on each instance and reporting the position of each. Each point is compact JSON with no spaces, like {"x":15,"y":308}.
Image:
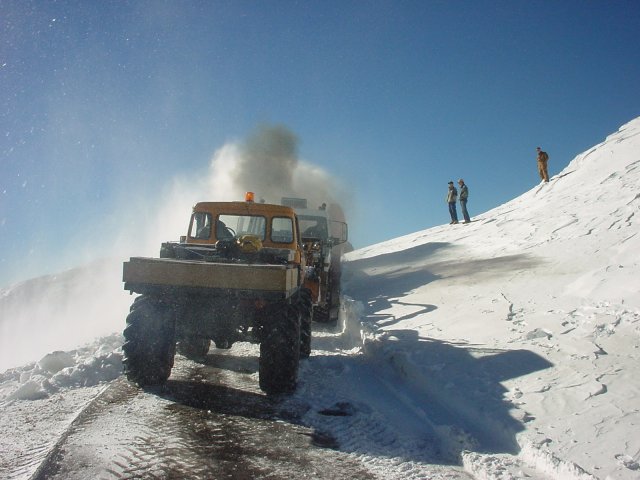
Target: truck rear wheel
{"x":280,"y":350}
{"x":149,"y":342}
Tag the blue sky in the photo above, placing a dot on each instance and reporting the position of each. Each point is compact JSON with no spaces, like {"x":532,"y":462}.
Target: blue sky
{"x":102,"y":102}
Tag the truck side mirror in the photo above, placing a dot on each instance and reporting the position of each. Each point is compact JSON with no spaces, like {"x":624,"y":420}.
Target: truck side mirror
{"x":343,"y":230}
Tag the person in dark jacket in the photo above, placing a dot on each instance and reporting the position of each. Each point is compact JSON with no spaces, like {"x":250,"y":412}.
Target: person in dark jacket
{"x":452,"y":197}
{"x":464,"y":195}
{"x":543,"y":158}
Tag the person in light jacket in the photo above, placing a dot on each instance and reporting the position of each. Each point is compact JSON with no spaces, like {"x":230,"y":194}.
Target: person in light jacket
{"x":452,"y":197}
{"x":464,"y":195}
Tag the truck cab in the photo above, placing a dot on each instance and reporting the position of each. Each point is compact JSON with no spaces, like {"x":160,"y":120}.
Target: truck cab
{"x":274,"y":225}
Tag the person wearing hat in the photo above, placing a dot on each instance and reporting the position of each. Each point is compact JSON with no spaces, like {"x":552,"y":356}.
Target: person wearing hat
{"x":464,"y":195}
{"x":452,"y":197}
{"x":543,"y":158}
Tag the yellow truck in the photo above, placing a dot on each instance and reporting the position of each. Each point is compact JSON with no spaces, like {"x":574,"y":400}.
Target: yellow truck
{"x":238,"y":275}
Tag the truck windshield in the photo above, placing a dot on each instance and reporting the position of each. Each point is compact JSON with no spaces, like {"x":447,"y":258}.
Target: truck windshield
{"x":282,"y":230}
{"x":228,"y":226}
{"x":311,"y":226}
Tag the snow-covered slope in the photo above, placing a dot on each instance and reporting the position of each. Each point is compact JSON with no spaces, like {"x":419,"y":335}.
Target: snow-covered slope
{"x":551,"y":276}
{"x":514,"y":339}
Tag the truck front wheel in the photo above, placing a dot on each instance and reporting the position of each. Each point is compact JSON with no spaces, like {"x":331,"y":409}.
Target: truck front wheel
{"x":149,"y":342}
{"x":280,"y":349}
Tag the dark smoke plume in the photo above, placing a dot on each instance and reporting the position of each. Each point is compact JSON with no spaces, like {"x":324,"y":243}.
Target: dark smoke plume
{"x":268,"y":164}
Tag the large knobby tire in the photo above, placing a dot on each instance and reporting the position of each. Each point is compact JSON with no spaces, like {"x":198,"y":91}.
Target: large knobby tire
{"x":305,"y":306}
{"x":149,"y":342}
{"x":194,"y":347}
{"x":280,"y":349}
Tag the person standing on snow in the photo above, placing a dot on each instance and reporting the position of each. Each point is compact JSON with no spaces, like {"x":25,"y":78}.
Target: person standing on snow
{"x":543,"y":158}
{"x":464,"y":195}
{"x":452,"y":197}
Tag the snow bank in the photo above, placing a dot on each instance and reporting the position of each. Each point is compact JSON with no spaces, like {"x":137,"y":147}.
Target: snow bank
{"x":58,"y":371}
{"x":523,"y":327}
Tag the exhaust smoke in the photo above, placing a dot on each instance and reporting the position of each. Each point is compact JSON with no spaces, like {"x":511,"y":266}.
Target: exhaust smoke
{"x":269,"y":165}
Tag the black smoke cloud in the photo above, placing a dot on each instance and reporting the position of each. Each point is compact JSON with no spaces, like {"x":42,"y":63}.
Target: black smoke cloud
{"x":268,"y":164}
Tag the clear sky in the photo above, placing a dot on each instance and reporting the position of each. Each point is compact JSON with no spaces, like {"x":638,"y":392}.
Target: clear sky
{"x":106,"y":102}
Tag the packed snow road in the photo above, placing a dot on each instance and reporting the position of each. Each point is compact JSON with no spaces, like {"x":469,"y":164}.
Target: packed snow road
{"x":208,"y":422}
{"x":212,"y":421}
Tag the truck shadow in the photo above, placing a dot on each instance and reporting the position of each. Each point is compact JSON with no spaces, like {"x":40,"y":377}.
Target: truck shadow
{"x":220,"y":399}
{"x":235,"y":363}
{"x":451,"y":395}
{"x":438,"y":398}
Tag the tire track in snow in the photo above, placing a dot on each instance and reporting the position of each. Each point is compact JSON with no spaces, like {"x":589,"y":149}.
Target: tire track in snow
{"x":199,"y":427}
{"x":46,"y":465}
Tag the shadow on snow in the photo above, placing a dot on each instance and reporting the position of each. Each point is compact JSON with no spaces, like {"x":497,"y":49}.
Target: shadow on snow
{"x":459,"y":385}
{"x":455,"y":390}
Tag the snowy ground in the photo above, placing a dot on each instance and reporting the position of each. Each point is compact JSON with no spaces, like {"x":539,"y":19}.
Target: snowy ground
{"x":513,"y":339}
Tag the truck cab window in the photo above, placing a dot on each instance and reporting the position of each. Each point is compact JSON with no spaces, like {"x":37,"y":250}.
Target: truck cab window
{"x":282,"y":230}
{"x":200,"y":226}
{"x":238,"y":225}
